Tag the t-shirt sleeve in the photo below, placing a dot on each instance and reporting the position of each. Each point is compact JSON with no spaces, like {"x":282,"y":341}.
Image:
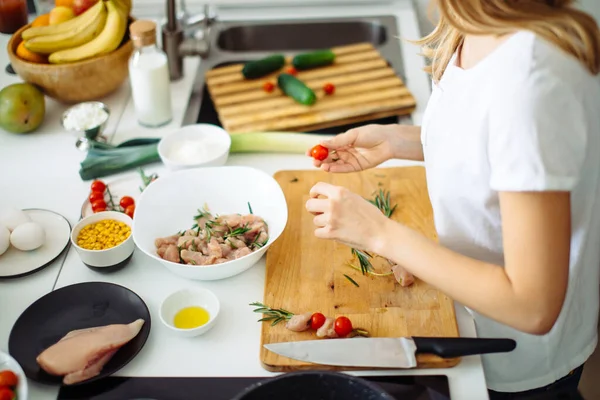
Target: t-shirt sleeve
{"x":537,"y":137}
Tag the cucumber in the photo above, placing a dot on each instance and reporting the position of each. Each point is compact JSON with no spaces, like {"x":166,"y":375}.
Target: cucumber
{"x":315,"y":59}
{"x":296,"y":89}
{"x":259,"y":68}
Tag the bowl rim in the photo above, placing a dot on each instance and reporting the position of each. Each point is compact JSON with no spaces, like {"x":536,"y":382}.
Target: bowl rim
{"x":204,"y":292}
{"x":100,"y":104}
{"x":212,"y":267}
{"x":170,"y":138}
{"x":84,"y":222}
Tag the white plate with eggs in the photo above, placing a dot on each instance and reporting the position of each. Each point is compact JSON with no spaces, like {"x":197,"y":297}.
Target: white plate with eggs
{"x":30,"y":240}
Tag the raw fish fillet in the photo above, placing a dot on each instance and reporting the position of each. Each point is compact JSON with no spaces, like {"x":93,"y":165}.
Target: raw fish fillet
{"x":81,"y":354}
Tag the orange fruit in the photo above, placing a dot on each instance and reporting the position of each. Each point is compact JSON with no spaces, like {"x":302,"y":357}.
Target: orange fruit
{"x":29,"y":55}
{"x":42,"y":20}
{"x":63,"y":3}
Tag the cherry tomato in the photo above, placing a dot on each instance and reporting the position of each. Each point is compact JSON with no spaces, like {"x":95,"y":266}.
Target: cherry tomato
{"x":319,"y":152}
{"x":130,"y":210}
{"x":343,"y":326}
{"x":8,"y":378}
{"x":317,"y":320}
{"x":291,"y":71}
{"x":99,"y":205}
{"x":126,"y":201}
{"x":98,"y":186}
{"x":95,"y":196}
{"x":6,"y":394}
{"x":329,"y":88}
{"x":268,"y":87}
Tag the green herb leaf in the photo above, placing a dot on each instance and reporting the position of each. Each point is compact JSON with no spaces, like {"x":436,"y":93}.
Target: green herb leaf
{"x":250,"y":208}
{"x":351,"y":280}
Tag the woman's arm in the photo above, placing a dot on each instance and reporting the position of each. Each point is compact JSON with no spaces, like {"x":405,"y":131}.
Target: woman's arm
{"x":528,"y":293}
{"x":406,"y":143}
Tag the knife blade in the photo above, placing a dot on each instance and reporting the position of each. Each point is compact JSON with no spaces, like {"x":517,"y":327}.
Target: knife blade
{"x":386,"y":352}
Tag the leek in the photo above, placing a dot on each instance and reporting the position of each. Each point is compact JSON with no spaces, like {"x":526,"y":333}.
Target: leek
{"x":105,"y":159}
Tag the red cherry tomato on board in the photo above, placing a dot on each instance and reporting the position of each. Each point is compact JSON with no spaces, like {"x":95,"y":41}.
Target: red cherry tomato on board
{"x":98,"y":186}
{"x":130,"y":210}
{"x":343,"y":326}
{"x":268,"y":87}
{"x":319,"y":152}
{"x":95,"y":196}
{"x":291,"y":71}
{"x":6,"y":394}
{"x":329,"y":88}
{"x":317,"y":320}
{"x":98,"y":206}
{"x":126,"y":201}
{"x":8,"y":378}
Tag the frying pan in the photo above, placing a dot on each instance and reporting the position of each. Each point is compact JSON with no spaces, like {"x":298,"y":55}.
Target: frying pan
{"x":314,"y":385}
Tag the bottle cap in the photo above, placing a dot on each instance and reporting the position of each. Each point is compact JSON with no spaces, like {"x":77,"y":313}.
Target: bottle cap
{"x":143,"y":33}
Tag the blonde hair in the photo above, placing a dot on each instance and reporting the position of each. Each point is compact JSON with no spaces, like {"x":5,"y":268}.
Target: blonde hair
{"x":556,"y":21}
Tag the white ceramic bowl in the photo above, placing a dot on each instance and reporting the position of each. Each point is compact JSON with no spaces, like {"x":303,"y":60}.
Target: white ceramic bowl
{"x":206,"y":145}
{"x":189,"y":298}
{"x":109,"y":259}
{"x":170,"y":203}
{"x":7,"y":362}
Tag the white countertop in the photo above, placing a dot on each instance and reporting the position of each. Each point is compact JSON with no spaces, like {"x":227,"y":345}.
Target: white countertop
{"x":41,"y":170}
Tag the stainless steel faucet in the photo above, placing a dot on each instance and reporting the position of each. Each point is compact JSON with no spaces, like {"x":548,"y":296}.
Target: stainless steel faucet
{"x":186,"y":36}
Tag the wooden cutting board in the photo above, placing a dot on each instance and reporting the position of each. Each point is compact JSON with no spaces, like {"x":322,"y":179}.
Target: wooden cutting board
{"x":306,"y":274}
{"x":367,"y":88}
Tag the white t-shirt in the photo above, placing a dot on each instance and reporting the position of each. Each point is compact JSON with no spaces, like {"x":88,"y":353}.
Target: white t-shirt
{"x":526,"y":118}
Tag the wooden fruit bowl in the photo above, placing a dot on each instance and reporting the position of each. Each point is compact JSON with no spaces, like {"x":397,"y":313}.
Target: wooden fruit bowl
{"x":75,"y":82}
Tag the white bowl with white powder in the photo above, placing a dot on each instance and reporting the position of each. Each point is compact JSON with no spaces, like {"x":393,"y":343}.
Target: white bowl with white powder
{"x":192,"y":146}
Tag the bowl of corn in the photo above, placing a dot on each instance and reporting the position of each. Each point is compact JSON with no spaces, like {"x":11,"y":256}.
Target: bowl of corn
{"x":103,"y":240}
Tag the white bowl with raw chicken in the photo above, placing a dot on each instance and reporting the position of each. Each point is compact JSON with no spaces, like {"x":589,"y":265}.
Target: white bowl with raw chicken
{"x":210,"y":223}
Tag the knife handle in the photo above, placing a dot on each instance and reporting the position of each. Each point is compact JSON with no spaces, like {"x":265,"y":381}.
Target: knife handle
{"x":459,"y":347}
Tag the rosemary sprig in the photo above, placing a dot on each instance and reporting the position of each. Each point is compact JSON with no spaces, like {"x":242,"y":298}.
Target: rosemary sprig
{"x":363,"y":260}
{"x":382,"y":201}
{"x":201,"y":214}
{"x":370,"y":272}
{"x":111,"y":201}
{"x":237,"y":231}
{"x":250,"y":208}
{"x":358,"y":332}
{"x":275,"y":315}
{"x":351,"y":280}
{"x":146,"y":179}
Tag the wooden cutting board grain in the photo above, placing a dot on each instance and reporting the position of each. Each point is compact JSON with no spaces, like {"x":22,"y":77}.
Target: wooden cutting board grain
{"x":306,"y":274}
{"x":367,"y":88}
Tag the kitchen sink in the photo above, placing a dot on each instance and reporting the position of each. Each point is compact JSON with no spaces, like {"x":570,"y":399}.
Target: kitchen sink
{"x":300,"y":36}
{"x":238,"y":42}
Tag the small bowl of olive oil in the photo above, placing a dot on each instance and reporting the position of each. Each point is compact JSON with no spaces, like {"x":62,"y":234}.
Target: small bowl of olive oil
{"x":190,"y":312}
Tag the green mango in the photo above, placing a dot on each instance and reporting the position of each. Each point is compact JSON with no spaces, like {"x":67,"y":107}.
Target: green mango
{"x":22,"y":108}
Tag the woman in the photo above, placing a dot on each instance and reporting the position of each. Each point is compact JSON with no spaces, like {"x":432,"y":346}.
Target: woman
{"x":511,"y":144}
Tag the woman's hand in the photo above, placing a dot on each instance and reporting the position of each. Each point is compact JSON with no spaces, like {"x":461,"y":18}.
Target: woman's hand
{"x":344,"y":216}
{"x":358,"y":149}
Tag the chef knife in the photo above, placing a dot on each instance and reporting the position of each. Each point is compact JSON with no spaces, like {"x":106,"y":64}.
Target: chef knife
{"x":386,"y":352}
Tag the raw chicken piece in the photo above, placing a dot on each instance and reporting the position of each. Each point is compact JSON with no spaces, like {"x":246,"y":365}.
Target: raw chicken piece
{"x":214,"y":248}
{"x":327,"y":329}
{"x":196,"y":258}
{"x":299,"y":323}
{"x":231,"y":220}
{"x":82,"y":354}
{"x":172,"y":254}
{"x":403,"y":277}
{"x":160,"y":242}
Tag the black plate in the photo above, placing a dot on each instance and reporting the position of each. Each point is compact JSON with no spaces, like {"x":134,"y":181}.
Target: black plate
{"x":78,"y":306}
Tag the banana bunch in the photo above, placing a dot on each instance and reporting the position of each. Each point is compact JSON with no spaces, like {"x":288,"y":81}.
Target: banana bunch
{"x":97,"y":31}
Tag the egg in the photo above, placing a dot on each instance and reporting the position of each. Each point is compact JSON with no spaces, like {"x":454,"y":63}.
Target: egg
{"x":28,"y":236}
{"x":12,"y":217}
{"x":4,"y":239}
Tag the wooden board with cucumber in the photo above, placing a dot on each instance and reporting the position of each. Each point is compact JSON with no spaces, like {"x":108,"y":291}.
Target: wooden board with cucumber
{"x":308,"y":91}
